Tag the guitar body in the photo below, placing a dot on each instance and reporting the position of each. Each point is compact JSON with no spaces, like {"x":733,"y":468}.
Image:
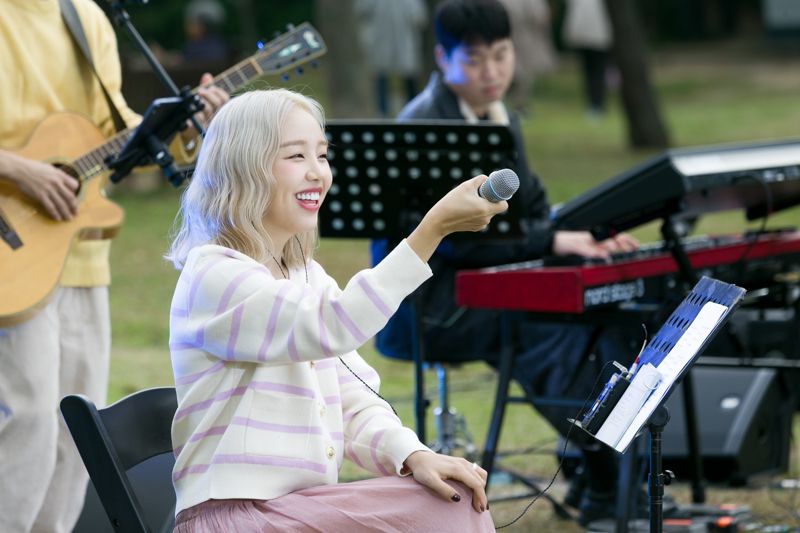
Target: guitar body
{"x":29,"y":273}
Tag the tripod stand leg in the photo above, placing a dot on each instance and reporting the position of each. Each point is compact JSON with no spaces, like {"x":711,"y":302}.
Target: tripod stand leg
{"x":693,"y":440}
{"x":626,"y":485}
{"x":657,"y":478}
{"x":501,"y":397}
{"x":418,"y":356}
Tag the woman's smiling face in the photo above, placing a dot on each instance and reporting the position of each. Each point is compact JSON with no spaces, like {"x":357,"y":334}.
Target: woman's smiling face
{"x":302,"y":175}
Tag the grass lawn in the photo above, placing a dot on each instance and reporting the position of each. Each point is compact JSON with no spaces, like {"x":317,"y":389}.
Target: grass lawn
{"x":707,"y":97}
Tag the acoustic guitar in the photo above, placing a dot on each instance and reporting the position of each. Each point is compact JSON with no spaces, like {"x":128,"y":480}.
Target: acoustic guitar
{"x":34,"y":247}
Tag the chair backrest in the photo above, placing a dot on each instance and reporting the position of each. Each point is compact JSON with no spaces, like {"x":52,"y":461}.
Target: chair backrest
{"x":116,"y":440}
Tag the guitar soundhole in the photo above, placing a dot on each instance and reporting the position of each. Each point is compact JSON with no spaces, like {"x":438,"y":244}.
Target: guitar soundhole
{"x":70,"y":171}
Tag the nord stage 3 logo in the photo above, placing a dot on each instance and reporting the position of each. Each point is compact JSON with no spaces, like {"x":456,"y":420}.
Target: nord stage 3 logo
{"x":613,"y":293}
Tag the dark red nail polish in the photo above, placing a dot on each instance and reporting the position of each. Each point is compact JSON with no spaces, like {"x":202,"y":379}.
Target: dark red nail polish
{"x":456,"y":497}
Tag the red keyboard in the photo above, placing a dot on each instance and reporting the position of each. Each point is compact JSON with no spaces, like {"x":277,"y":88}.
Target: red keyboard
{"x":627,"y":279}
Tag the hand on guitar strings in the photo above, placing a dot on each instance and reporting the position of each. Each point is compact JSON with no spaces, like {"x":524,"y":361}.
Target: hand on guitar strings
{"x":213,"y":98}
{"x":52,"y":188}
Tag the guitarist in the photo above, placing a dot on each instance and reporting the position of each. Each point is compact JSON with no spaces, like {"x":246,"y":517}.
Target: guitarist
{"x":65,"y":347}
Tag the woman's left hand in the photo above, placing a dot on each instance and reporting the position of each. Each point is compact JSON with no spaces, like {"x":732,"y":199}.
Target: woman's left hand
{"x":431,"y":469}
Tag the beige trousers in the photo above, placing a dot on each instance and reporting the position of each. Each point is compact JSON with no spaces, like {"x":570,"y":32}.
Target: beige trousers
{"x":64,"y":349}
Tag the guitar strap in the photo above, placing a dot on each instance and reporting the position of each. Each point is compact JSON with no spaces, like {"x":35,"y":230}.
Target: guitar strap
{"x":73,"y":22}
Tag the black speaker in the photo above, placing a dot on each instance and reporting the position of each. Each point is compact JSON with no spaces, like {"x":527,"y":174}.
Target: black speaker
{"x":744,"y":418}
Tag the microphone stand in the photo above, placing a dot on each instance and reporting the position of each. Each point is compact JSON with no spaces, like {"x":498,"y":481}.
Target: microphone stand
{"x":122,"y":18}
{"x":160,"y":122}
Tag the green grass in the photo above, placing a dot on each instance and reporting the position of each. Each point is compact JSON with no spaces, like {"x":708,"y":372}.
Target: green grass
{"x":705,"y":100}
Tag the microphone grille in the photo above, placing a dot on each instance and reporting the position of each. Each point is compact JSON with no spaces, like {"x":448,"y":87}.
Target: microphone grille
{"x":504,"y":183}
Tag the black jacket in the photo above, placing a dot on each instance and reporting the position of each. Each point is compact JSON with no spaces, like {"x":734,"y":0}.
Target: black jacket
{"x":552,"y":359}
{"x":464,"y":334}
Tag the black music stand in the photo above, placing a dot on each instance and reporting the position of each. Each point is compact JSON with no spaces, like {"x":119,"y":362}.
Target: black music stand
{"x":670,"y":354}
{"x":162,"y":120}
{"x":388,"y":174}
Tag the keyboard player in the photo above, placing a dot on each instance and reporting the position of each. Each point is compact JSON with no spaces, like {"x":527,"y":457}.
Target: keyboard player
{"x":475,"y":57}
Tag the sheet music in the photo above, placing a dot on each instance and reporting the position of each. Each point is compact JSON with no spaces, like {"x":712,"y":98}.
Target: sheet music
{"x":672,"y":366}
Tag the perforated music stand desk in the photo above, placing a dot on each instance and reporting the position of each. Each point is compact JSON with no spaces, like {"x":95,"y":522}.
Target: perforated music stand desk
{"x":387,"y":174}
{"x":672,"y":351}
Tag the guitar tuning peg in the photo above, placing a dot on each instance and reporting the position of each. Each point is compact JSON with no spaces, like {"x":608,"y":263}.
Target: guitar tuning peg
{"x":289,"y":27}
{"x":276,"y":34}
{"x":260,"y":44}
{"x":285,"y":77}
{"x":298,"y":71}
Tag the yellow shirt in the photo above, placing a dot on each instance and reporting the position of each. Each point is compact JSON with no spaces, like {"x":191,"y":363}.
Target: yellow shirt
{"x":43,"y":72}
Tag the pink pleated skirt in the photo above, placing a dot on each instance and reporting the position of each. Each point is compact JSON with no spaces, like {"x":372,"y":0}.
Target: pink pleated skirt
{"x":386,"y":504}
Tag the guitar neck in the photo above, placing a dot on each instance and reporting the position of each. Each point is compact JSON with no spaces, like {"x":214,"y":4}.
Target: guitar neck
{"x":237,"y":76}
{"x":94,"y":162}
{"x":297,"y":46}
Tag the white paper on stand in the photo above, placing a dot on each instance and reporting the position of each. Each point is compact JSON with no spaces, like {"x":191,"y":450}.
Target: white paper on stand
{"x":673,"y":364}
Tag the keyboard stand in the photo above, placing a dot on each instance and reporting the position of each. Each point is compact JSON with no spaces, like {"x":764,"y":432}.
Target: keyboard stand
{"x":673,"y":243}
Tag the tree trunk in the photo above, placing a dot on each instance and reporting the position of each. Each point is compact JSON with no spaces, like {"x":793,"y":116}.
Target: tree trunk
{"x":348,"y":77}
{"x":247,"y":34}
{"x":428,"y":44}
{"x":645,"y":126}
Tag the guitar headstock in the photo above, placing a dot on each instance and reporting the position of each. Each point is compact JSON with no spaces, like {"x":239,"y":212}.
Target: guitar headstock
{"x":299,"y":45}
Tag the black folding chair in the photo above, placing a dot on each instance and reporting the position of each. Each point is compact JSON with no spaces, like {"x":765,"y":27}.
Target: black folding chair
{"x":127,"y":450}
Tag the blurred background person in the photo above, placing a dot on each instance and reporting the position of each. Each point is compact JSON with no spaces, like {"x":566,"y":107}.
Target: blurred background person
{"x":203,"y":43}
{"x":202,"y":23}
{"x":587,"y":30}
{"x":391,"y":33}
{"x":535,"y":56}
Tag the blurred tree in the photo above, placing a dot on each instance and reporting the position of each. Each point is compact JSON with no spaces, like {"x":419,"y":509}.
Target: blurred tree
{"x":246,"y":15}
{"x":348,"y":84}
{"x":428,"y":43}
{"x":645,"y":126}
{"x":697,"y":20}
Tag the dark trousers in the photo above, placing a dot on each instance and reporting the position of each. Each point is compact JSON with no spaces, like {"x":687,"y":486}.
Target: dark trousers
{"x":382,"y":91}
{"x":594,"y":64}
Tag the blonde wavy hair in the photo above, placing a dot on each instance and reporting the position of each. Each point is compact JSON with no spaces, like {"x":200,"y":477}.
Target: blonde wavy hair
{"x":232,"y":186}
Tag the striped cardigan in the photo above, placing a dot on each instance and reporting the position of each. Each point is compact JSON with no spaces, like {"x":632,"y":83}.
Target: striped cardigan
{"x":265,"y":407}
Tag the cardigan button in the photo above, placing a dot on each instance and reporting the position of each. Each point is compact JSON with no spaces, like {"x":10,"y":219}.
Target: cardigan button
{"x":322,"y":410}
{"x":331,"y":452}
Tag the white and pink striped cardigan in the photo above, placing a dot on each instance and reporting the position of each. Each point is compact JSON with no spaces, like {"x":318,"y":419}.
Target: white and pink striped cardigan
{"x":265,"y":407}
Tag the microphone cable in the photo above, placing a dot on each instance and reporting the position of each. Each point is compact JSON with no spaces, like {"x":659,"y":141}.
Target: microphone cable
{"x":376,"y":393}
{"x":564,"y":449}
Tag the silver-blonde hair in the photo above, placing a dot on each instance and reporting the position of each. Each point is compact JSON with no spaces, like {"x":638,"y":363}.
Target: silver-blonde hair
{"x":233,"y":184}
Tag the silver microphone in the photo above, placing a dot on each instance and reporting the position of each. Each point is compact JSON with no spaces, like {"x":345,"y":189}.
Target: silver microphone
{"x":501,"y":185}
